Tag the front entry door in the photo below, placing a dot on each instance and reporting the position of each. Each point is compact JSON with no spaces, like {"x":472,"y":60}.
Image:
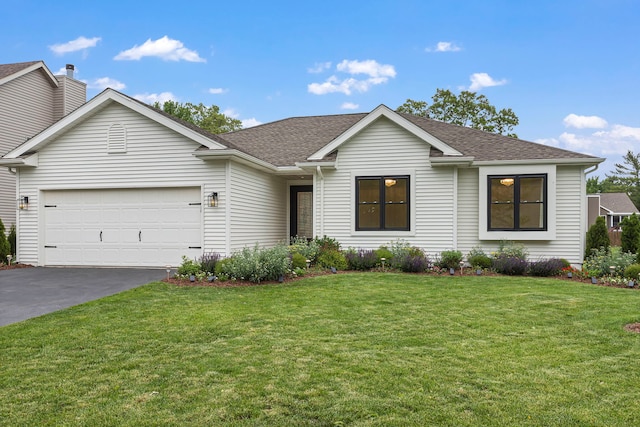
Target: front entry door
{"x":301,"y":207}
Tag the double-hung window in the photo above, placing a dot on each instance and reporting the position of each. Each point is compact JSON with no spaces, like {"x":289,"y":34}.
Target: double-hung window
{"x":382,"y":203}
{"x":517,"y":202}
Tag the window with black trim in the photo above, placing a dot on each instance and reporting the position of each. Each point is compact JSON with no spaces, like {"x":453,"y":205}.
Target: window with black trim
{"x":382,"y":203}
{"x":517,"y":202}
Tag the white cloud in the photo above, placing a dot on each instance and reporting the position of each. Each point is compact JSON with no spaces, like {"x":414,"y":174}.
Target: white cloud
{"x":248,"y":123}
{"x":582,"y":122}
{"x":444,"y":47}
{"x":217,"y":90}
{"x":482,"y":80}
{"x":102,"y":83}
{"x":164,"y":48}
{"x":81,"y":43}
{"x":349,"y":106}
{"x":377,"y":74}
{"x":319,"y":67}
{"x":151,"y":98}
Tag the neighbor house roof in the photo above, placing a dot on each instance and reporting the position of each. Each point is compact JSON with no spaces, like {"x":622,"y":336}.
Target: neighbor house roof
{"x":617,"y":203}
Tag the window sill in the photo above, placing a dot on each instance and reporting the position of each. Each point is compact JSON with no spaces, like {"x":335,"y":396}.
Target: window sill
{"x":383,"y":233}
{"x":517,"y":235}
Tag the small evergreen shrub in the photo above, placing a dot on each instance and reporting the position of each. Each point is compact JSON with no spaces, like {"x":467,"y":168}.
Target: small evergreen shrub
{"x":12,"y":240}
{"x":632,"y":272}
{"x":188,"y":268}
{"x":307,"y":248}
{"x":510,"y":265}
{"x":478,"y":259}
{"x":597,"y":237}
{"x":298,"y":261}
{"x":600,"y":261}
{"x":208,"y":262}
{"x":5,"y":247}
{"x":630,"y":236}
{"x":383,"y":252}
{"x":327,"y":244}
{"x":546,"y":267}
{"x":362,"y":259}
{"x":332,"y":258}
{"x":450,"y":259}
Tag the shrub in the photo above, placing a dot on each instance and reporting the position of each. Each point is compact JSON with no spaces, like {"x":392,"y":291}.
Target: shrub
{"x":511,"y":249}
{"x":600,"y":261}
{"x":188,"y":268}
{"x":307,"y":248}
{"x":362,"y":259}
{"x":383,"y":252}
{"x":209,"y":261}
{"x":12,"y":240}
{"x":409,"y":263}
{"x":632,"y":272}
{"x":478,"y":259}
{"x":332,"y":258}
{"x":5,"y":247}
{"x":450,"y":259}
{"x":298,"y":261}
{"x":509,"y":264}
{"x":257,"y":264}
{"x":565,"y":263}
{"x":597,"y":237}
{"x":327,"y":244}
{"x":546,"y":267}
{"x":630,"y":236}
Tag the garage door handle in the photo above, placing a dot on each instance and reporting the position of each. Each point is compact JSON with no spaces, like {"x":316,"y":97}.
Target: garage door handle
{"x":101,"y":235}
{"x":140,"y":236}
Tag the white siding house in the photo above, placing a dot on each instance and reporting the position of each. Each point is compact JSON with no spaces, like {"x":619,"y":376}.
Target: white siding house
{"x":118,"y":183}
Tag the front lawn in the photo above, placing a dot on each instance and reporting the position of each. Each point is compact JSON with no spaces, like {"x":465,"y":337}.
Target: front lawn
{"x":350,"y":349}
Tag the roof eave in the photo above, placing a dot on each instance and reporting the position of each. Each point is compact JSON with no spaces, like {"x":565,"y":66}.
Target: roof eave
{"x":586,"y":161}
{"x":464,"y":161}
{"x":236,"y":155}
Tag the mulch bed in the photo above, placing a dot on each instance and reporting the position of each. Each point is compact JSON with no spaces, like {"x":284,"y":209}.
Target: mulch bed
{"x":14,"y":266}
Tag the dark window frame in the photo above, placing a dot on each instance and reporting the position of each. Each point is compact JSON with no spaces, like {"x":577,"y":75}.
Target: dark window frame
{"x":516,"y":202}
{"x":382,"y":189}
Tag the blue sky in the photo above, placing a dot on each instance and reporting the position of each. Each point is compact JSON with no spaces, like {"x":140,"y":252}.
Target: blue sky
{"x":569,"y":69}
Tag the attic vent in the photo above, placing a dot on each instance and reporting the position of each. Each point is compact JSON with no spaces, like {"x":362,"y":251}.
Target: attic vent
{"x":117,"y":139}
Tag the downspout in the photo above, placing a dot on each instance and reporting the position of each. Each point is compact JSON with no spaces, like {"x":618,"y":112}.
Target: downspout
{"x":585,"y":208}
{"x":321,"y":200}
{"x":455,"y":208}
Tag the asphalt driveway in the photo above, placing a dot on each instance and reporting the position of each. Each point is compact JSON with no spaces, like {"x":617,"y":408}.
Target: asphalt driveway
{"x":32,"y":292}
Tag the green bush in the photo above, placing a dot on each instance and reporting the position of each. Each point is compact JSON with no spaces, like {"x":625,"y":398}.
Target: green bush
{"x":511,"y":250}
{"x":600,"y":261}
{"x":450,"y":259}
{"x":5,"y":247}
{"x":298,"y":261}
{"x":12,"y":240}
{"x":632,"y":272}
{"x":257,"y":264}
{"x":384,"y":252}
{"x":327,"y":244}
{"x":307,"y":248}
{"x":630,"y":238}
{"x":478,"y":259}
{"x":597,"y":237}
{"x":332,"y":258}
{"x":188,"y":268}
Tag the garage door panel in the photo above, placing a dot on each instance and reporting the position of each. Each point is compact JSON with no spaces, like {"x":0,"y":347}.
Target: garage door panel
{"x":130,"y":227}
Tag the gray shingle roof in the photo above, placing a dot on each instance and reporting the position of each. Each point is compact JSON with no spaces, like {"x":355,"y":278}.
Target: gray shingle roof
{"x":617,"y":203}
{"x":9,"y":69}
{"x":285,"y":142}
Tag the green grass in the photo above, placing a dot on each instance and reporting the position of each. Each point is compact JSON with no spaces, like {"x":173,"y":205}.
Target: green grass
{"x":350,"y":349}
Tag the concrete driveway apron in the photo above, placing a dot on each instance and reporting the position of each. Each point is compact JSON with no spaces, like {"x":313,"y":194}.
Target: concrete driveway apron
{"x":32,"y":292}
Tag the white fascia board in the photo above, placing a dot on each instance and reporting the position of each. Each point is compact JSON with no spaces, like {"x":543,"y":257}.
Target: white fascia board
{"x":289,"y":170}
{"x":29,"y":161}
{"x":451,"y":161}
{"x":99,"y":102}
{"x":40,"y":64}
{"x":239,"y":156}
{"x":571,"y":161}
{"x":314,"y":165}
{"x":380,"y":111}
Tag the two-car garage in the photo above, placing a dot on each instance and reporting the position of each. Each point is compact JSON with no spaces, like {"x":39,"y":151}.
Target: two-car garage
{"x":150,"y":227}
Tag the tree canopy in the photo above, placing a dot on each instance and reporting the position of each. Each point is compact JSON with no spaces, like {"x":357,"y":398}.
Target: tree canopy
{"x":626,"y":176}
{"x":207,"y":118}
{"x":467,"y":109}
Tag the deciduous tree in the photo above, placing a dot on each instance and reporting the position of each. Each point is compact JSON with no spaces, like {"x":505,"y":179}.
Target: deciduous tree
{"x":207,"y":118}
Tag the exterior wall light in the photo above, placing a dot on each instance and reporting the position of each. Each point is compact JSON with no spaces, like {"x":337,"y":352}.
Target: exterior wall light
{"x":23,"y":203}
{"x":212,"y":199}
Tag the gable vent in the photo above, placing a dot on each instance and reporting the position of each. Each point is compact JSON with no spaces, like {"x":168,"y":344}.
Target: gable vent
{"x":117,"y":139}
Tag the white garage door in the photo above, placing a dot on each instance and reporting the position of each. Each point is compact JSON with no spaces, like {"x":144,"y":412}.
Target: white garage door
{"x":124,"y":227}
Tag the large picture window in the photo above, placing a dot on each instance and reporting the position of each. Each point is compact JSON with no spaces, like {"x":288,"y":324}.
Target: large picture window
{"x":382,"y":203}
{"x":517,"y":202}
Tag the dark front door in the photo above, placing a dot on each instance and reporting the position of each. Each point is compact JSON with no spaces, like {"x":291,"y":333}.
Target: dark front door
{"x":301,"y":208}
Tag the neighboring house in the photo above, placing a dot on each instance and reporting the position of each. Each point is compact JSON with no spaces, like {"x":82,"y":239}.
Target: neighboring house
{"x":614,"y":207}
{"x":119,"y":183}
{"x":31,"y":99}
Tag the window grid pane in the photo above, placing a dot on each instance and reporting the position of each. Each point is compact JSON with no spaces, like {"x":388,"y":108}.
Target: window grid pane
{"x":382,"y":203}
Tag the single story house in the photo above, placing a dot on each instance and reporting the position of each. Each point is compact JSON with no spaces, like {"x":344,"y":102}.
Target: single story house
{"x":119,"y":183}
{"x":614,"y":207}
